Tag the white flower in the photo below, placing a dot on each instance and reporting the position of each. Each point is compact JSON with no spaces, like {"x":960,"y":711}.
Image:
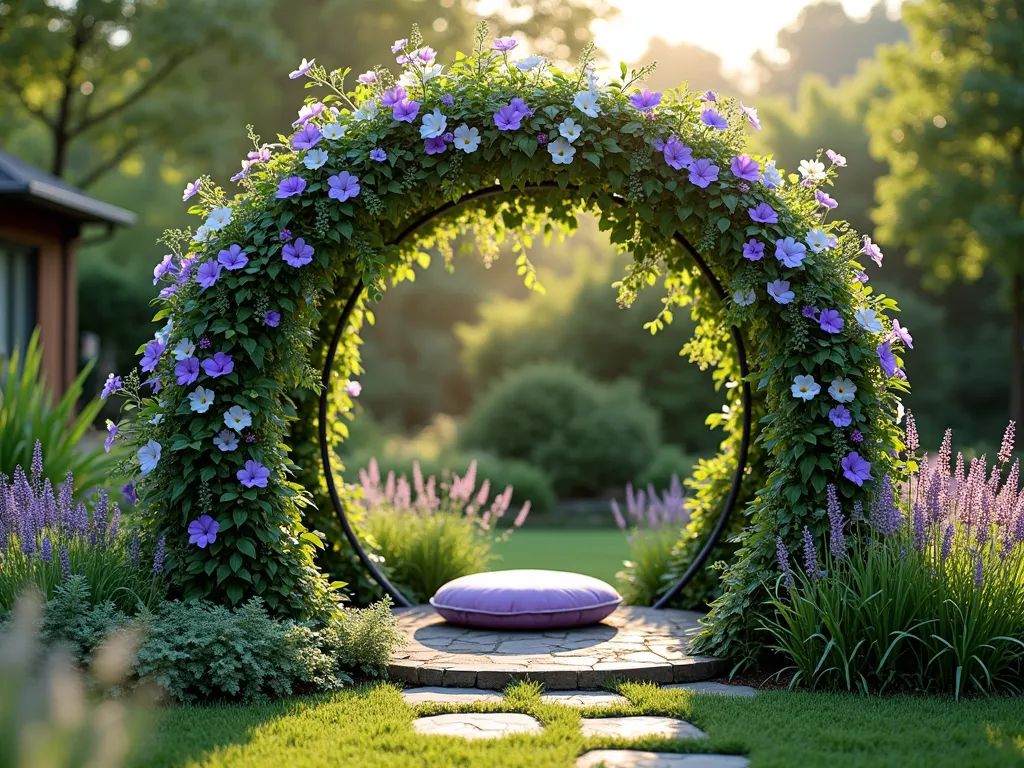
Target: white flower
{"x":201,"y":400}
{"x":586,"y":102}
{"x":868,"y":320}
{"x":218,"y":218}
{"x":149,"y":456}
{"x":413,"y":78}
{"x":367,"y":111}
{"x":771,"y":177}
{"x":202,"y":234}
{"x":842,"y":390}
{"x":591,"y":79}
{"x":744,"y":298}
{"x":164,"y":333}
{"x":237,"y":418}
{"x":900,"y":410}
{"x":818,"y":240}
{"x":812,"y":169}
{"x":562,"y":152}
{"x":467,"y":139}
{"x":429,"y":73}
{"x":805,"y":387}
{"x":333,"y":131}
{"x":314,"y":159}
{"x":434,"y":125}
{"x":156,"y":419}
{"x":570,"y":129}
{"x":184,"y":349}
{"x":529,"y":62}
{"x":226,"y":440}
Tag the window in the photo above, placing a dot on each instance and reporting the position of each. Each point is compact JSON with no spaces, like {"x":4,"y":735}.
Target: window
{"x":17,"y":297}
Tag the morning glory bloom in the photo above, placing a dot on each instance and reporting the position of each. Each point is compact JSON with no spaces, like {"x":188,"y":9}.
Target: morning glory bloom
{"x":378,"y":155}
{"x":818,"y":240}
{"x":868,"y":320}
{"x":830,"y":321}
{"x":237,"y":418}
{"x":886,"y":358}
{"x":111,"y":434}
{"x":148,"y":456}
{"x":840,"y":416}
{"x":709,"y":96}
{"x":435,"y":146}
{"x":208,"y":273}
{"x":218,"y":218}
{"x":232,"y":258}
{"x":805,"y":387}
{"x":304,"y":67}
{"x":367,"y":111}
{"x":167,"y":291}
{"x":333,"y":131}
{"x":353,"y":388}
{"x":184,"y":349}
{"x":203,"y":531}
{"x":836,"y":158}
{"x":297,"y":253}
{"x":702,"y":173}
{"x":901,"y":333}
{"x":562,"y":152}
{"x":242,"y":173}
{"x":434,"y":125}
{"x":343,"y":186}
{"x":812,"y":169}
{"x":315,"y":158}
{"x":200,"y":400}
{"x":753,"y":250}
{"x":405,"y":111}
{"x":751,"y":115}
{"x":290,"y":187}
{"x":467,"y":139}
{"x":790,"y":252}
{"x":424,"y":55}
{"x":872,"y":250}
{"x":508,"y":118}
{"x":856,"y":469}
{"x":860,"y":276}
{"x":110,"y":386}
{"x":712,"y":119}
{"x":271,"y":318}
{"x":763,"y":214}
{"x":529,"y":62}
{"x":586,"y":102}
{"x":226,"y":440}
{"x":771,"y":177}
{"x":645,"y":101}
{"x":677,"y":154}
{"x":166,"y":265}
{"x":824,"y":199}
{"x":202,"y":235}
{"x":254,"y":475}
{"x":399,"y":45}
{"x":151,"y":356}
{"x":744,"y":298}
{"x":570,"y":129}
{"x":779,"y":290}
{"x":842,"y":390}
{"x":367,"y":78}
{"x":307,"y":137}
{"x":220,"y":364}
{"x":745,"y":167}
{"x":810,"y":312}
{"x":308,"y":112}
{"x":504,"y":44}
{"x":191,"y":189}
{"x":187,"y":371}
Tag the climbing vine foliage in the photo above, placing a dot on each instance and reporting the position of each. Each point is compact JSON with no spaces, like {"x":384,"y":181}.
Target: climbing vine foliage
{"x":227,"y":405}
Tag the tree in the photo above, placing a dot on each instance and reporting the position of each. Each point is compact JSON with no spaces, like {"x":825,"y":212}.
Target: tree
{"x":951,"y":133}
{"x":700,"y":68}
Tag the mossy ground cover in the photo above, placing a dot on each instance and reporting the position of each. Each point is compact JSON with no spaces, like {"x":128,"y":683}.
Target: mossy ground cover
{"x":371,"y":726}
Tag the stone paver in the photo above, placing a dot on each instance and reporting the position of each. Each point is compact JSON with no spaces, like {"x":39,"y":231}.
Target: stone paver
{"x":634,"y":643}
{"x":640,"y":727}
{"x":583,"y":698}
{"x":627,"y":758}
{"x":475,"y":725}
{"x":725,"y":689}
{"x":449,"y":695}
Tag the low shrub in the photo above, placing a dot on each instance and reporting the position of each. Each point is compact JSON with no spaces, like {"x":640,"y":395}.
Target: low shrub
{"x":446,"y":531}
{"x":927,"y":594}
{"x":669,"y":461}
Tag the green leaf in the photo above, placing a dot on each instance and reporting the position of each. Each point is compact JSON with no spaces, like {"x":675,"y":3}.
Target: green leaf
{"x":593,"y":157}
{"x":239,"y":516}
{"x":313,"y":539}
{"x":246,"y":546}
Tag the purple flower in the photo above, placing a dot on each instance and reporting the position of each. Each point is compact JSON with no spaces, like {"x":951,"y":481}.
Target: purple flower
{"x":542,"y":139}
{"x":394,"y":96}
{"x":811,"y":564}
{"x":203,"y":531}
{"x":111,"y":434}
{"x":286,"y":235}
{"x":824,"y":199}
{"x":872,"y":250}
{"x":836,"y":158}
{"x":677,"y":154}
{"x":887,"y":358}
{"x":204,"y":342}
{"x":233,"y":258}
{"x":709,"y":96}
{"x":521,"y":107}
{"x":399,"y":45}
{"x":166,"y":265}
{"x":840,"y":416}
{"x":153,"y":384}
{"x":504,"y":44}
{"x":151,"y":356}
{"x":790,"y":252}
{"x":307,"y":137}
{"x":702,"y":173}
{"x":809,"y":312}
{"x":508,"y":118}
{"x":901,"y":333}
{"x":405,"y":111}
{"x":448,"y":100}
{"x":836,"y":523}
{"x":368,"y":78}
{"x":782,"y":555}
{"x":751,"y":115}
{"x":297,"y":253}
{"x":434,"y":146}
{"x":753,"y":250}
{"x":860,"y":276}
{"x":645,"y":100}
{"x":378,"y":155}
{"x":712,"y":119}
{"x":779,"y":290}
{"x":343,"y":186}
{"x":159,"y":553}
{"x":1006,"y":446}
{"x":261,"y":155}
{"x":857,"y":436}
{"x":304,"y":67}
{"x":830,"y":321}
{"x":271,"y":318}
{"x":242,"y":173}
{"x":129,"y":493}
{"x":208,"y":273}
{"x":167,"y":291}
{"x":254,"y":475}
{"x":308,"y":112}
{"x":220,"y":364}
{"x":293,"y":185}
{"x":746,"y":167}
{"x":191,"y":189}
{"x":353,"y":388}
{"x":764,"y":214}
{"x":110,"y":386}
{"x":856,"y":469}
{"x":187,"y":370}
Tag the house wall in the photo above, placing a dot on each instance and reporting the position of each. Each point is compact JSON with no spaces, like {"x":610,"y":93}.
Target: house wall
{"x":55,"y":238}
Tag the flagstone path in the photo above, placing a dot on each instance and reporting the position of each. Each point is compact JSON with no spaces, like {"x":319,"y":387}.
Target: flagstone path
{"x":627,"y":758}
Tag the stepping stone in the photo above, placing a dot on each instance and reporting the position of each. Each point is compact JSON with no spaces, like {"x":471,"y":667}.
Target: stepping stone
{"x":583,"y":698}
{"x":639,"y":727}
{"x":627,"y":758}
{"x":449,"y":695}
{"x":723,"y":689}
{"x":474,"y":725}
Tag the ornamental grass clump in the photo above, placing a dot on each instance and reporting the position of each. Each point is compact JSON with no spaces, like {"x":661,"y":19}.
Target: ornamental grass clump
{"x":47,"y":536}
{"x":448,"y":530}
{"x":928,"y":591}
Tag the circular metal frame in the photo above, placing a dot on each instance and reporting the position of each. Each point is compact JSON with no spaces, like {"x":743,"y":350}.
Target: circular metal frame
{"x":332,"y":350}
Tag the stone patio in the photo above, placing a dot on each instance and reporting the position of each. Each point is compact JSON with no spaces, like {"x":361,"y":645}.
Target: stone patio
{"x":639,"y":727}
{"x":634,"y":643}
{"x":475,"y":725}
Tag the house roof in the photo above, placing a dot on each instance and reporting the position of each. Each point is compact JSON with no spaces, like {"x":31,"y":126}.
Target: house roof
{"x":21,"y":179}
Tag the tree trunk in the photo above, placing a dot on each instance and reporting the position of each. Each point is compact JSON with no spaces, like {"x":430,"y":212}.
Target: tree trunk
{"x":1017,"y":358}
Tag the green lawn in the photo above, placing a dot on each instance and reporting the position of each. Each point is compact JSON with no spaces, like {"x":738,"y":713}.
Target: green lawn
{"x":595,"y":552}
{"x":370,"y":728}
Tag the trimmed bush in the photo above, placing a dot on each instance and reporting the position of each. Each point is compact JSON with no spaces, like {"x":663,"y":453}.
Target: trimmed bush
{"x":669,"y":461}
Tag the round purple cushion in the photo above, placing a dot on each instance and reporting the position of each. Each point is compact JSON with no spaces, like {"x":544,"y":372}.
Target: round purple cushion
{"x":525,"y":599}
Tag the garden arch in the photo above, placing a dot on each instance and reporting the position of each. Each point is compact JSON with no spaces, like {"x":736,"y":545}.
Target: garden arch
{"x":257,"y":303}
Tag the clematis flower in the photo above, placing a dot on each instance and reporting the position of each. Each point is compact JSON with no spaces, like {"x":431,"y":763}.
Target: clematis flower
{"x":201,"y":399}
{"x":645,"y":101}
{"x":886,"y":358}
{"x":790,"y":252}
{"x":836,"y":158}
{"x":290,"y":187}
{"x":467,"y":139}
{"x":677,"y":155}
{"x":208,"y":273}
{"x":191,"y":189}
{"x":297,"y":253}
{"x":148,"y":456}
{"x":712,"y":119}
{"x":333,"y":131}
{"x":570,"y":130}
{"x":856,"y":469}
{"x":237,"y":418}
{"x":779,"y":290}
{"x":586,"y":102}
{"x":771,"y":177}
{"x":315,"y":158}
{"x":805,"y":387}
{"x":111,"y":434}
{"x":818,"y":240}
{"x":812,"y":169}
{"x":110,"y":386}
{"x":187,"y":370}
{"x":232,"y":258}
{"x":901,"y":333}
{"x":751,"y":115}
{"x":304,"y":67}
{"x":872,"y":250}
{"x":562,"y":152}
{"x":764,"y":214}
{"x":868,"y":320}
{"x":434,"y":125}
{"x":254,"y":475}
{"x":226,"y":440}
{"x":830,"y":321}
{"x":151,"y":356}
{"x":220,"y":364}
{"x":745,"y":167}
{"x":378,"y":155}
{"x":271,"y":318}
{"x":203,"y":531}
{"x":405,"y":111}
{"x":842,"y":390}
{"x":218,"y":219}
{"x":702,"y":173}
{"x":343,"y":186}
{"x":744,"y":298}
{"x":824,"y":199}
{"x":753,"y":250}
{"x":840,"y":416}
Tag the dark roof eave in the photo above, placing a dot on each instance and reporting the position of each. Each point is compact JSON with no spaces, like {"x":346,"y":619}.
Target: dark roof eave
{"x":82,"y":206}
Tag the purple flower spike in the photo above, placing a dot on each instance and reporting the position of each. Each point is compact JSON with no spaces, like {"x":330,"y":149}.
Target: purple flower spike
{"x":220,"y":364}
{"x":254,"y":475}
{"x":202,"y":532}
{"x":645,"y":100}
{"x":764,"y":214}
{"x":782,"y":555}
{"x":290,"y":187}
{"x":811,"y":564}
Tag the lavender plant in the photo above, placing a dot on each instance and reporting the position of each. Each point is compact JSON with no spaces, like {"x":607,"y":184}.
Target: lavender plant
{"x":930,"y":597}
{"x":47,"y":535}
{"x":446,"y":530}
